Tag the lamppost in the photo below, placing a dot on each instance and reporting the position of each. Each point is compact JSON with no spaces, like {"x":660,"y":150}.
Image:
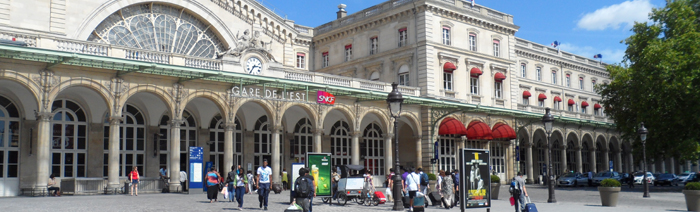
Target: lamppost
{"x":547,"y":120}
{"x":642,"y":131}
{"x":394,"y":100}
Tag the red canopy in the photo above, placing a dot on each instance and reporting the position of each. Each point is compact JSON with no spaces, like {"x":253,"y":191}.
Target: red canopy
{"x":597,"y":106}
{"x":479,"y":131}
{"x":557,"y":99}
{"x":527,"y":94}
{"x":476,"y":72}
{"x":450,"y":126}
{"x":449,"y":67}
{"x":584,"y":104}
{"x":503,"y":131}
{"x":499,"y":77}
{"x":572,"y":102}
{"x":542,"y":96}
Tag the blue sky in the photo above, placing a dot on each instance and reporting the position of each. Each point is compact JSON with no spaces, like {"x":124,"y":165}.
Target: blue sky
{"x":583,"y":27}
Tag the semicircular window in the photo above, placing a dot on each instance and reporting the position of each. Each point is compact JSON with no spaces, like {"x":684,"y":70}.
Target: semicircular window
{"x":159,"y":27}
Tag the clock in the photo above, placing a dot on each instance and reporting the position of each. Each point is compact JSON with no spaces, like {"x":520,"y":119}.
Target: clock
{"x":253,"y":66}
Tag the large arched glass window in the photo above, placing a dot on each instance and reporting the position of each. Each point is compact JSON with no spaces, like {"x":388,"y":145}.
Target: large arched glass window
{"x":541,"y":157}
{"x":132,"y":141}
{"x":340,"y":143}
{"x":571,"y":156}
{"x":69,"y":144}
{"x":556,"y":157}
{"x":188,"y":137}
{"x":611,"y":158}
{"x":599,"y":163}
{"x":262,"y":142}
{"x":303,"y":140}
{"x":447,"y":148}
{"x":9,"y":142}
{"x":373,"y":149}
{"x":585,"y":158}
{"x":217,"y":133}
{"x":159,"y":27}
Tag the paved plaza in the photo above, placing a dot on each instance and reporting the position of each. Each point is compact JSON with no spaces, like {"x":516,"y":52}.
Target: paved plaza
{"x":569,"y":200}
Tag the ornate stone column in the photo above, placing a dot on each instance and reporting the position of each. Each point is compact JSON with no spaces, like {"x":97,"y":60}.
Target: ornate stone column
{"x":579,"y":160}
{"x":276,"y":160}
{"x":564,"y":166}
{"x":113,"y":163}
{"x":592,"y":161}
{"x":388,"y":152}
{"x":356,"y":147}
{"x":530,"y":170}
{"x":672,"y":164}
{"x":630,"y":163}
{"x":606,"y":159}
{"x":228,"y":146}
{"x":663,"y":166}
{"x":175,"y":155}
{"x":318,"y":146}
{"x":618,"y":161}
{"x":419,"y":153}
{"x":43,"y":151}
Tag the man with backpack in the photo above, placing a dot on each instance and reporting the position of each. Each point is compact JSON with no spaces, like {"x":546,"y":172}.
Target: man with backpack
{"x":517,"y":188}
{"x":303,"y":188}
{"x":424,"y":183}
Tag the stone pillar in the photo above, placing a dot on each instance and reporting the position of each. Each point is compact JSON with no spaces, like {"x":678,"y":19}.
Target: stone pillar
{"x":318,"y":133}
{"x":618,"y":162}
{"x":43,"y":150}
{"x":672,"y":163}
{"x":697,"y":167}
{"x":663,"y":166}
{"x":113,"y":160}
{"x":228,"y":147}
{"x":419,"y":153}
{"x":579,"y":160}
{"x":175,"y":155}
{"x":388,"y":152}
{"x":592,"y":161}
{"x":606,"y":160}
{"x":564,"y":166}
{"x":276,"y":160}
{"x":530,"y":176}
{"x":630,"y":163}
{"x":356,"y":147}
{"x":688,"y":165}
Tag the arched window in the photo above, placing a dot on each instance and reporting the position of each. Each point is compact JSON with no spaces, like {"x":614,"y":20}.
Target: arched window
{"x":161,"y":28}
{"x":132,"y":141}
{"x":611,"y":157}
{"x":303,"y":140}
{"x":372,"y":148}
{"x":217,"y":135}
{"x":585,"y":158}
{"x":374,"y":76}
{"x":624,"y":162}
{"x":262,"y":142}
{"x":571,"y":156}
{"x":340,"y":143}
{"x":9,"y":143}
{"x":69,"y":144}
{"x":556,"y":158}
{"x":541,"y":157}
{"x":599,"y":163}
{"x":188,"y":137}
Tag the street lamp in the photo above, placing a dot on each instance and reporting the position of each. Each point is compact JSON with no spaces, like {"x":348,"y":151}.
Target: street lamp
{"x":394,"y":100}
{"x":642,"y":131}
{"x":547,"y":120}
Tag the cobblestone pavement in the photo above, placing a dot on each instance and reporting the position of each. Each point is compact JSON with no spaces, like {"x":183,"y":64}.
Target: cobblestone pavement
{"x":569,"y":200}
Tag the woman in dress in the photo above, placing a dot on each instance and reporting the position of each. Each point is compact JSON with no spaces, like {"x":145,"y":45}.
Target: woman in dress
{"x":213,"y":180}
{"x":446,"y":188}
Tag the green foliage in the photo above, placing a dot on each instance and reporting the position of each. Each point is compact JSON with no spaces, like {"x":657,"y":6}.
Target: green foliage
{"x":692,"y":186}
{"x":610,"y":183}
{"x":658,"y":83}
{"x":495,"y":179}
{"x":432,"y":176}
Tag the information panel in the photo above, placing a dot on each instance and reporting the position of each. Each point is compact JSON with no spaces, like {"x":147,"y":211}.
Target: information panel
{"x":196,"y":171}
{"x":319,"y":165}
{"x":475,"y":185}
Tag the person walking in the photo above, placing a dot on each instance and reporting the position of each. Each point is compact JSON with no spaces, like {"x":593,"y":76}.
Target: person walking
{"x":251,"y":182}
{"x":590,"y":178}
{"x":446,"y":189}
{"x":52,"y":186}
{"x":285,"y":181}
{"x":630,"y":180}
{"x":412,"y":185}
{"x":134,"y":177}
{"x":424,"y":182}
{"x":230,"y":183}
{"x":303,"y":189}
{"x":519,"y":192}
{"x":335,"y":179}
{"x":455,"y":179}
{"x":213,"y":180}
{"x":241,"y":187}
{"x":390,"y":184}
{"x":264,"y":173}
{"x":313,"y":190}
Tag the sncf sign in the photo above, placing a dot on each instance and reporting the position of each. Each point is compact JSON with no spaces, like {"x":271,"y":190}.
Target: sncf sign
{"x":325,"y":98}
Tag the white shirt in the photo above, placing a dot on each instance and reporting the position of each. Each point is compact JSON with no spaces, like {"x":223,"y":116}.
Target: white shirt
{"x":412,"y":181}
{"x":183,"y":176}
{"x":264,"y":174}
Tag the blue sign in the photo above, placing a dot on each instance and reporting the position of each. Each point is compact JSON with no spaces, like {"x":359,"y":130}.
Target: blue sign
{"x":436,"y":150}
{"x":196,"y":171}
{"x":517,"y":153}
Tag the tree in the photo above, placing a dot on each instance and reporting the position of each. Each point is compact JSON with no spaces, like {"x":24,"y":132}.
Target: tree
{"x":658,"y":83}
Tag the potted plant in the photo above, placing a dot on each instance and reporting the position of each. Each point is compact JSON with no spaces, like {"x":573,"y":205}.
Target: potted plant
{"x":433,"y":182}
{"x":609,"y":192}
{"x":692,"y":196}
{"x":495,"y":186}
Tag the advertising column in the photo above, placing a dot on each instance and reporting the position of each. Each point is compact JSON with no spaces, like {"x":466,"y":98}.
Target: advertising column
{"x":475,"y":185}
{"x":319,"y":165}
{"x":196,"y":171}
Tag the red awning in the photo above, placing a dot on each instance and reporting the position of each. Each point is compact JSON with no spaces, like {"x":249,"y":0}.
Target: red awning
{"x":450,"y":126}
{"x":584,"y":104}
{"x":503,"y":132}
{"x":572,"y":102}
{"x":542,"y":96}
{"x":526,"y":94}
{"x":449,"y":67}
{"x":348,"y":46}
{"x":557,"y":99}
{"x":479,"y":131}
{"x":499,"y":77}
{"x":476,"y":72}
{"x":597,"y":106}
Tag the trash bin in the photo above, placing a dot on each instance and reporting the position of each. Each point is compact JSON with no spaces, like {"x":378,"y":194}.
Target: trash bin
{"x":126,"y":187}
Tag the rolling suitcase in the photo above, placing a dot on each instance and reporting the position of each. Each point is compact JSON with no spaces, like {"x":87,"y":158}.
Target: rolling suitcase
{"x":529,"y":206}
{"x":406,"y":202}
{"x":435,"y":198}
{"x":380,"y":196}
{"x":277,"y":188}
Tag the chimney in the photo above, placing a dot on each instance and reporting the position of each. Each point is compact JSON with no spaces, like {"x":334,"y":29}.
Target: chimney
{"x":341,"y":11}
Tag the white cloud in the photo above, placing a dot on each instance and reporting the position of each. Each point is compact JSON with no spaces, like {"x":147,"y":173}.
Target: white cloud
{"x":609,"y":55}
{"x":616,"y":15}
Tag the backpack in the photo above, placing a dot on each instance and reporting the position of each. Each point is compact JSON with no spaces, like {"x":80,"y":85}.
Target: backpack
{"x":302,"y":187}
{"x":514,"y":187}
{"x":424,"y":179}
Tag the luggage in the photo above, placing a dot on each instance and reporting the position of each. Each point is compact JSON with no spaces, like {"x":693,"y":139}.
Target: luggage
{"x":292,"y":210}
{"x":435,"y":198}
{"x":277,"y":188}
{"x":529,"y":206}
{"x":380,"y":195}
{"x":406,"y":202}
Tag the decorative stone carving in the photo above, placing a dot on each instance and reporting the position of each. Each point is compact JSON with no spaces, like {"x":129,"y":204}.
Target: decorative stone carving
{"x":250,"y":43}
{"x":46,"y":79}
{"x":117,"y":86}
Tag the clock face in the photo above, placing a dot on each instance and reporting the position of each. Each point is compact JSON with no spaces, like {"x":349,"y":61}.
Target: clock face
{"x":253,"y":66}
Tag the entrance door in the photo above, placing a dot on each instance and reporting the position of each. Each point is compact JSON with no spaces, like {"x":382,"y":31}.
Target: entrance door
{"x":9,"y":148}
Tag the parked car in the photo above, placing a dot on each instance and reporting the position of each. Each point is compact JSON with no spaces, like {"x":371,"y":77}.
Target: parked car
{"x":572,"y":179}
{"x":639,"y":176}
{"x":624,"y":178}
{"x":600,"y":176}
{"x":666,"y":179}
{"x":692,"y":178}
{"x":685,"y":176}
